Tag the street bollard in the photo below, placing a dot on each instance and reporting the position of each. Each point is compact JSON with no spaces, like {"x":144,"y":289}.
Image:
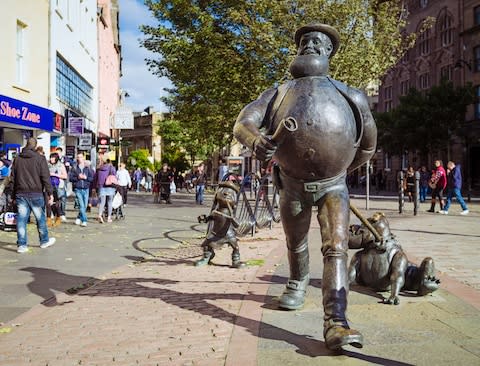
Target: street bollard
{"x":401,"y":198}
{"x":416,"y":194}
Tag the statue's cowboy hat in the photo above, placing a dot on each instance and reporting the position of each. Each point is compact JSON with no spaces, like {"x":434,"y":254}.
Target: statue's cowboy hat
{"x":331,"y":32}
{"x":229,"y":184}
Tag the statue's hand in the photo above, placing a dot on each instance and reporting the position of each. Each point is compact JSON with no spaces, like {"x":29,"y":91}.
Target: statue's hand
{"x":264,"y":148}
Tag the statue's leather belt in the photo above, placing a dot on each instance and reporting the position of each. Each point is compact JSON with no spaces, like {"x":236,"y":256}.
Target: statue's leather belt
{"x":313,"y":186}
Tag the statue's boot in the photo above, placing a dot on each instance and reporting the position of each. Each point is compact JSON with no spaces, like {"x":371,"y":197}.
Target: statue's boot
{"x":236,"y":263}
{"x":208,"y":255}
{"x":293,"y":297}
{"x":337,"y":332}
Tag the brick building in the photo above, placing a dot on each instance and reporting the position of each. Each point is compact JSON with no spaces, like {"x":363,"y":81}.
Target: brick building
{"x":450,"y":49}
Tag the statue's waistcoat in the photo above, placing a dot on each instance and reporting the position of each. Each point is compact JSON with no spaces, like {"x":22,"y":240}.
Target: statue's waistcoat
{"x":324,"y":144}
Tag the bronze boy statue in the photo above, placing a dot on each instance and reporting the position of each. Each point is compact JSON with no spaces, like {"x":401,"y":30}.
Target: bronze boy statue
{"x":336,"y":132}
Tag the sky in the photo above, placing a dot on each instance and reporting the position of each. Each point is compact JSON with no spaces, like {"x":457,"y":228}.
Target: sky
{"x":144,"y":88}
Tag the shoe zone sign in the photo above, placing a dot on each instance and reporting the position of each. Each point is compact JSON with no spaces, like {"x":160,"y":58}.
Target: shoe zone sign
{"x":20,"y":113}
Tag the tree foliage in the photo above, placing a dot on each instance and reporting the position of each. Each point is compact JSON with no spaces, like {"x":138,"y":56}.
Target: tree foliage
{"x":221,"y":54}
{"x":424,"y":121}
{"x":139,"y":159}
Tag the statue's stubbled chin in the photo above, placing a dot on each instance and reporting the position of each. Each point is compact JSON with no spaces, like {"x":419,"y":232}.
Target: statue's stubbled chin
{"x":309,"y":65}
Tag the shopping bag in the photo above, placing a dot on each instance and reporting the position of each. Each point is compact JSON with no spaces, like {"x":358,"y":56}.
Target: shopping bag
{"x":117,"y":200}
{"x":173,"y":188}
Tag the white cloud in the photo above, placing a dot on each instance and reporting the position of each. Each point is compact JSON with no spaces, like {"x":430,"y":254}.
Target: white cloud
{"x":144,"y":88}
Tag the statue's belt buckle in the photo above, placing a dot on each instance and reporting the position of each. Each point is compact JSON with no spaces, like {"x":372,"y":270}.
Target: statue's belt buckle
{"x":311,"y":187}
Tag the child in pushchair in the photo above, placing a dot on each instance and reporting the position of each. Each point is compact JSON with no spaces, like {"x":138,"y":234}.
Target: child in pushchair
{"x":8,"y":210}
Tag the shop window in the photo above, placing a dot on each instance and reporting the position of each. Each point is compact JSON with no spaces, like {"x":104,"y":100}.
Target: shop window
{"x":20,"y":54}
{"x":72,"y":89}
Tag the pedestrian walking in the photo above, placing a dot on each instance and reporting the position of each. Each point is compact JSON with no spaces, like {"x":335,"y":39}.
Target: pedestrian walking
{"x":58,"y":175}
{"x":200,"y":181}
{"x":222,"y":170}
{"x":454,"y":186}
{"x":148,"y":180}
{"x":62,"y":189}
{"x":423,"y":184}
{"x":31,"y":177}
{"x":124,"y":182}
{"x":438,"y":183}
{"x":81,"y":177}
{"x":137,"y":176}
{"x":163,"y":178}
{"x":105,"y":188}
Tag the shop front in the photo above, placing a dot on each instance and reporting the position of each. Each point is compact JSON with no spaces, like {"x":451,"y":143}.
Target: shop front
{"x":20,"y":120}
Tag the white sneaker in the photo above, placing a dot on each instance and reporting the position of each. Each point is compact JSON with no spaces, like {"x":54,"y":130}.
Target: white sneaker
{"x":443,"y":212}
{"x":464,"y":212}
{"x":78,"y":221}
{"x":49,"y":243}
{"x":63,"y":218}
{"x":22,"y":249}
{"x":84,"y":223}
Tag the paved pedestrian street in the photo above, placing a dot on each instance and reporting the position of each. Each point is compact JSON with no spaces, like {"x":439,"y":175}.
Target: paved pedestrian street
{"x":127,"y":293}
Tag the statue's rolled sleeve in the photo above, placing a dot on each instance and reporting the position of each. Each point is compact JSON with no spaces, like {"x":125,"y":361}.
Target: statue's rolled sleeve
{"x":252,"y":118}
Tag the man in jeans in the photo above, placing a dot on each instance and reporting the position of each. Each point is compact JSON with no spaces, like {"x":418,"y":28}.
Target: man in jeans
{"x":200,"y":181}
{"x":454,"y":185}
{"x":62,"y":188}
{"x":31,"y":178}
{"x":81,"y":176}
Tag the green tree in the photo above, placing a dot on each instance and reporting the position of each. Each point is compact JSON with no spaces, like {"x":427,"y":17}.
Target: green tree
{"x":220,"y":55}
{"x":139,"y":159}
{"x":425,"y":122}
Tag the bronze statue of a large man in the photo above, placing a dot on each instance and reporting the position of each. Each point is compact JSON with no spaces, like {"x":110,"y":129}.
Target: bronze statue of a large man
{"x":336,"y":132}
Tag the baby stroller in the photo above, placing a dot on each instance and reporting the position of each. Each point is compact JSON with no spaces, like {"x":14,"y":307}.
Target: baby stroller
{"x":117,"y":205}
{"x":8,"y":215}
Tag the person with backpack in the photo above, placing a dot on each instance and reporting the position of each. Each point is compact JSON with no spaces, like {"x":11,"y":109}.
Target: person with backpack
{"x":81,"y":176}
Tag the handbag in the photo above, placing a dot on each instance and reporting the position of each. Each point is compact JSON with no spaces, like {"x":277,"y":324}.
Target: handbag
{"x":173,"y":188}
{"x":432,"y":185}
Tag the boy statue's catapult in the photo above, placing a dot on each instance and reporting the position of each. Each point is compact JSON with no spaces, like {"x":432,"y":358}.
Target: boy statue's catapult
{"x":221,"y":224}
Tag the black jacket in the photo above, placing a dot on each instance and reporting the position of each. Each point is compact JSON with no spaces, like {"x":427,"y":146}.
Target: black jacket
{"x":30,"y":173}
{"x":81,"y":183}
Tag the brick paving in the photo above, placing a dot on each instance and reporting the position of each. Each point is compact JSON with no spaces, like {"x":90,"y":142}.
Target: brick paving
{"x":161,"y":310}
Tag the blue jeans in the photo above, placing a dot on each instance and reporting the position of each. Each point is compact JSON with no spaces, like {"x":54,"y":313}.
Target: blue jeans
{"x":62,"y":197}
{"x":199,"y":189}
{"x":458,"y":195}
{"x":82,"y":197}
{"x":423,"y":193}
{"x":25,"y":205}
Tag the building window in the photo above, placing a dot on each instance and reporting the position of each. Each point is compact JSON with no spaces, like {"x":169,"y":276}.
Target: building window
{"x":424,"y":42}
{"x":20,"y":57}
{"x":446,"y":30}
{"x":423,"y":3}
{"x":424,"y":80}
{"x":72,"y":89}
{"x":476,"y":15}
{"x":404,"y":87}
{"x":476,"y":59}
{"x":477,"y":102}
{"x":388,"y":92}
{"x":388,"y":105}
{"x":446,"y":72}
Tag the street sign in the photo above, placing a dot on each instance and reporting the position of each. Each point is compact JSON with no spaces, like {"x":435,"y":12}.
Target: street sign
{"x":85,"y":141}
{"x":75,"y":126}
{"x":123,"y":118}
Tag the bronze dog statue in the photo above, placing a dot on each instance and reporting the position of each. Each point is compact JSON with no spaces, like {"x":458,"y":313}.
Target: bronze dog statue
{"x":383,"y":265}
{"x":222,"y":224}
